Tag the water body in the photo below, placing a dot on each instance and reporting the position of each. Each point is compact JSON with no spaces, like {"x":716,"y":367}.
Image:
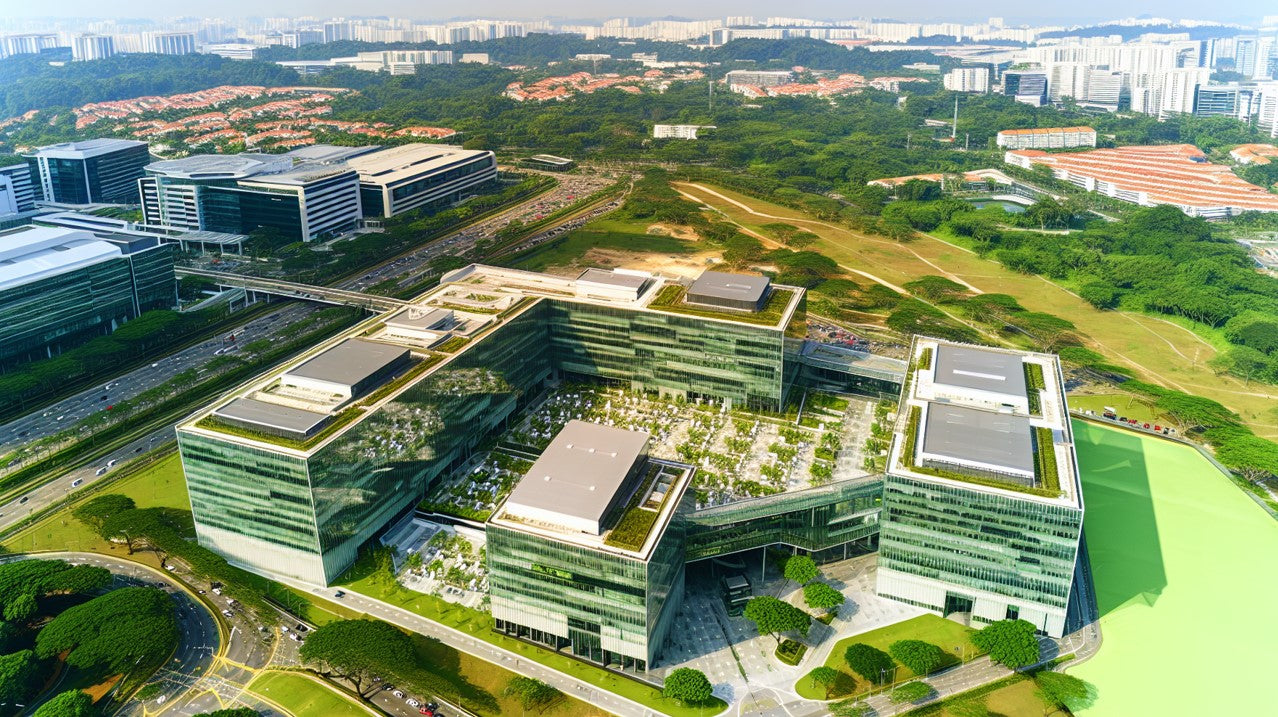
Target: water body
{"x":1009,"y":207}
{"x":1186,"y":567}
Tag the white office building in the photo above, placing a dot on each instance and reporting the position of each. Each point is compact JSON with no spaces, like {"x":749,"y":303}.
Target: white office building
{"x":678,"y":131}
{"x":411,"y":176}
{"x":17,"y":192}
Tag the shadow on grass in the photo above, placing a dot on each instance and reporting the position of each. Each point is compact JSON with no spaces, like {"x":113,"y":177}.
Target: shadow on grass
{"x":1121,"y":525}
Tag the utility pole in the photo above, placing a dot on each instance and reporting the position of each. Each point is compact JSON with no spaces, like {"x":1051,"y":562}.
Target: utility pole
{"x":954,"y":127}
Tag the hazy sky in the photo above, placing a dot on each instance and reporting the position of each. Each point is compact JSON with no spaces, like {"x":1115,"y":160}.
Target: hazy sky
{"x":1013,"y":10}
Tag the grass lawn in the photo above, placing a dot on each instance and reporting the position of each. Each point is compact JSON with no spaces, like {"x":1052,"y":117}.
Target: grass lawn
{"x":1155,"y":349}
{"x":479,"y":625}
{"x":1184,"y":565}
{"x":160,"y":484}
{"x":306,"y":697}
{"x":1127,"y":405}
{"x":943,"y":633}
{"x":602,"y":234}
{"x":1015,"y":699}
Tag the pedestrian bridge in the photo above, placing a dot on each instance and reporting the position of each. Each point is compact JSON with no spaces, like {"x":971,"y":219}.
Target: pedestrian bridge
{"x":292,"y":290}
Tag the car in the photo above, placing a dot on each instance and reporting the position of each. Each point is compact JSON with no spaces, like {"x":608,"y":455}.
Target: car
{"x":200,"y":592}
{"x":157,"y":363}
{"x":170,"y":567}
{"x":100,"y":471}
{"x":339,"y":594}
{"x":24,"y":499}
{"x":111,"y":463}
{"x":432,"y":706}
{"x":76,"y":483}
{"x":413,"y":703}
{"x":59,"y":418}
{"x":427,"y":711}
{"x":228,"y":613}
{"x":301,"y":628}
{"x":284,"y":628}
{"x":103,"y":398}
{"x":295,"y":637}
{"x":397,"y":693}
{"x":217,"y":591}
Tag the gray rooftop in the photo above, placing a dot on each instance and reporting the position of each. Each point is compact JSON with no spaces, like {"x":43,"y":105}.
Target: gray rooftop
{"x":722,"y":285}
{"x":330,"y":152}
{"x":612,"y":278}
{"x":415,"y":317}
{"x":969,"y":434}
{"x":270,"y":415}
{"x":349,"y":362}
{"x":579,"y":472}
{"x":221,"y":166}
{"x":980,"y":369}
{"x":86,"y":148}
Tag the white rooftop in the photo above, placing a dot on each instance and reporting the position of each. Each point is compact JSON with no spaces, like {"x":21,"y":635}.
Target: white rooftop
{"x":221,"y":166}
{"x":407,"y":161}
{"x":35,"y":253}
{"x":86,"y":148}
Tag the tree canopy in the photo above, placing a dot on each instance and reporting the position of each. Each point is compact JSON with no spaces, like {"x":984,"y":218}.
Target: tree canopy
{"x":72,"y":703}
{"x":687,"y":685}
{"x":25,"y":580}
{"x":1011,"y":643}
{"x":869,"y":662}
{"x":19,"y":676}
{"x":801,"y":569}
{"x":820,"y":596}
{"x":1064,"y":690}
{"x":123,"y":630}
{"x":531,"y":693}
{"x":773,"y":617}
{"x":826,"y":677}
{"x":921,"y":657}
{"x":358,"y":650}
{"x":910,"y":692}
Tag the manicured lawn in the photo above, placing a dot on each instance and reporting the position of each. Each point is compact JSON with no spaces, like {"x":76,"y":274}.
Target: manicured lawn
{"x":943,"y":633}
{"x":305,"y":697}
{"x":477,"y":624}
{"x":161,"y":484}
{"x":602,"y":234}
{"x":1185,"y":567}
{"x":1126,"y":404}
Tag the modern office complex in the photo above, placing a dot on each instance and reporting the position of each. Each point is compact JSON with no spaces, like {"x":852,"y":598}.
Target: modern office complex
{"x":95,"y":170}
{"x":982,"y":505}
{"x":239,"y":193}
{"x":1047,"y":138}
{"x":413,"y":176}
{"x":1027,"y":86}
{"x":587,"y":552}
{"x":60,"y":287}
{"x":17,"y":193}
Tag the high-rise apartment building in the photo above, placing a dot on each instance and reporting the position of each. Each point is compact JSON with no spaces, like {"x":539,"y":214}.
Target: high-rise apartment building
{"x":968,"y":79}
{"x":95,"y":170}
{"x":169,"y":43}
{"x":336,"y":30}
{"x":92,"y":47}
{"x":1180,"y":89}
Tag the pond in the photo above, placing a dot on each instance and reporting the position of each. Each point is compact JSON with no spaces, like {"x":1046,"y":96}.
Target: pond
{"x":1009,"y":207}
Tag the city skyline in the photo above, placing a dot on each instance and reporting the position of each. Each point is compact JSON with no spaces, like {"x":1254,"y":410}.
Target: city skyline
{"x":1086,"y":12}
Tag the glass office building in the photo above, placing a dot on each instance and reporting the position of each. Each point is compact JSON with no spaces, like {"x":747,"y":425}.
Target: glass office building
{"x":61,"y":287}
{"x":96,"y":170}
{"x":982,"y":506}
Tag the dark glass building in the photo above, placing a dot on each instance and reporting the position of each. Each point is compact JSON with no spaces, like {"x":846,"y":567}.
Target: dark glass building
{"x":95,"y":170}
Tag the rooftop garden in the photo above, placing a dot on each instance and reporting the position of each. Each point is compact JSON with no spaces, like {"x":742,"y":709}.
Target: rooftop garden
{"x":343,"y":418}
{"x":1034,"y":383}
{"x":1047,"y":482}
{"x":635,"y":522}
{"x":671,"y":300}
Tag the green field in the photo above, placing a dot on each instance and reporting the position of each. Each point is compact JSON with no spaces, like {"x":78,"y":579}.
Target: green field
{"x":1126,"y":404}
{"x":602,"y":234}
{"x":305,"y":697}
{"x":950,"y":636}
{"x":1185,"y":567}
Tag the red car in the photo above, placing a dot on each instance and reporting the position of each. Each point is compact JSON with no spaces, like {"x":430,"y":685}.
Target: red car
{"x":426,"y":712}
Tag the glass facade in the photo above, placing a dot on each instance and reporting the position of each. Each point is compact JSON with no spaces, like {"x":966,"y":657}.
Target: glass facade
{"x":602,"y":605}
{"x":45,"y":317}
{"x":814,"y":520}
{"x":987,"y":541}
{"x":240,"y":211}
{"x":110,"y":177}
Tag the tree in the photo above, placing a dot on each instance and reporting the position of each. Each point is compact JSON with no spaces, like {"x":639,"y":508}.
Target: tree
{"x":414,"y":561}
{"x":1063,"y":690}
{"x":801,"y":569}
{"x":1252,"y":457}
{"x":921,"y":657}
{"x":1100,"y":294}
{"x":773,"y":617}
{"x":1011,"y":643}
{"x":21,"y":608}
{"x":357,"y":650}
{"x":72,"y":703}
{"x":19,"y":676}
{"x":94,"y":512}
{"x":820,"y":596}
{"x":689,"y":686}
{"x":936,"y":288}
{"x":1193,"y":412}
{"x":531,"y":693}
{"x":122,"y":631}
{"x":869,"y":662}
{"x":826,"y":677}
{"x":910,"y":692}
{"x":38,"y":578}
